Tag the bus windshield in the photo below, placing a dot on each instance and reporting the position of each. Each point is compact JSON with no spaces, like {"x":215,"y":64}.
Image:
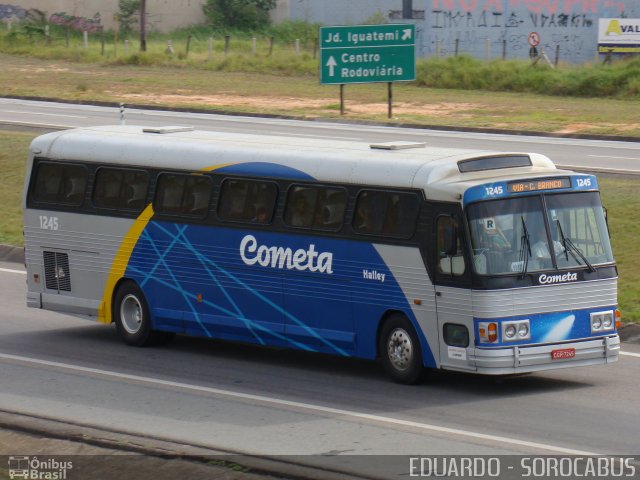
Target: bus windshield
{"x":511,"y":236}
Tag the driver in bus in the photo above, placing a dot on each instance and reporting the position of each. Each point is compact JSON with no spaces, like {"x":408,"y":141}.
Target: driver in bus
{"x":540,"y":244}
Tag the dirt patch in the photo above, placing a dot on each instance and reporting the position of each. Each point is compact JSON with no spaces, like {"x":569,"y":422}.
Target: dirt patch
{"x":228,"y":100}
{"x":431,"y":110}
{"x":589,"y":127}
{"x":291,"y":103}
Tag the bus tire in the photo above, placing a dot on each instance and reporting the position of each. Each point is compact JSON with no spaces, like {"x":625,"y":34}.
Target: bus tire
{"x":399,"y":347}
{"x":132,"y":318}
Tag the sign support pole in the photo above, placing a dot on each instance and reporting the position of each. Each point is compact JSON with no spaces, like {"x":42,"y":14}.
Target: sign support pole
{"x":351,"y":54}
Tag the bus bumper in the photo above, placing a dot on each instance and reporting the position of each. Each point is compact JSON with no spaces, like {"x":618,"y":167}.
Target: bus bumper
{"x":523,"y":359}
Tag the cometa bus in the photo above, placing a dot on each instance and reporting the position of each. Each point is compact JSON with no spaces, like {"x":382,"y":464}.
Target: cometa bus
{"x":426,"y":258}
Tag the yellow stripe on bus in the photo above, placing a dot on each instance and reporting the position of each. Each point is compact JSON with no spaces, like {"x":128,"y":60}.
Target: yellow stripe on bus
{"x":121,"y":261}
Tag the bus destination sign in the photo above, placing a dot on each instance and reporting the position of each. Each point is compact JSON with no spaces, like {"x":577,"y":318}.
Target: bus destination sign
{"x":538,"y":184}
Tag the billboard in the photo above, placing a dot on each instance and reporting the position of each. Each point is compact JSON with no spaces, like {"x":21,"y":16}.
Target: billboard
{"x":619,"y":35}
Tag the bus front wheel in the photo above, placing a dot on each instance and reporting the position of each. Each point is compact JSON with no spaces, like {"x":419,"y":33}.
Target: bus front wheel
{"x":399,"y":348}
{"x":133,"y":322}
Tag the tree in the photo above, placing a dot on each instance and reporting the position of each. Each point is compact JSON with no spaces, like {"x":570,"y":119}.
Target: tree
{"x":127,"y":15}
{"x":242,"y":14}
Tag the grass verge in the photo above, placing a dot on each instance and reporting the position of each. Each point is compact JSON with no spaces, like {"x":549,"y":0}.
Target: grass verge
{"x":13,"y":154}
{"x":272,"y":51}
{"x":300,"y":95}
{"x":619,"y":195}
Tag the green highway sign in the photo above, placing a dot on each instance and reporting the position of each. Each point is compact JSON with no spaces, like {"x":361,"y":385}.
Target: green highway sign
{"x":367,"y":53}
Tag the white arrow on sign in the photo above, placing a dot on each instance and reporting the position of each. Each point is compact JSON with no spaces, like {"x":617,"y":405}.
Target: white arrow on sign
{"x":406,"y":34}
{"x":332,"y":65}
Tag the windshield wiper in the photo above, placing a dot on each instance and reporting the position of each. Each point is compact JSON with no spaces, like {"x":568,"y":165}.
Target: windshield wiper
{"x":570,"y":246}
{"x":564,"y":242}
{"x":525,"y":253}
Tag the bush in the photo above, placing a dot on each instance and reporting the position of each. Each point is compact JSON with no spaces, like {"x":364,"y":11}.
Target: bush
{"x":242,"y":14}
{"x":467,"y":73}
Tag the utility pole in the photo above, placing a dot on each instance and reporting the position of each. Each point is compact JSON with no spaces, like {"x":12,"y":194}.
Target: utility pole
{"x":143,"y":25}
{"x":407,"y":9}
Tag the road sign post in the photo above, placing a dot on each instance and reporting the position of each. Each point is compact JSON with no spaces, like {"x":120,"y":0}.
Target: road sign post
{"x":367,"y":54}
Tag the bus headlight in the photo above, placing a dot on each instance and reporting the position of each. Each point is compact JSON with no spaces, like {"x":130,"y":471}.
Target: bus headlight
{"x":523,"y":330}
{"x":515,"y":330}
{"x":602,"y":321}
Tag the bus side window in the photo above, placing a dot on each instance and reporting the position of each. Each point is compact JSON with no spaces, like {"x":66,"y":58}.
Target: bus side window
{"x":318,"y":208}
{"x":183,"y":194}
{"x":120,"y":189}
{"x":250,"y":201}
{"x":60,"y":183}
{"x":198,"y":195}
{"x":449,"y":247}
{"x":389,"y":214}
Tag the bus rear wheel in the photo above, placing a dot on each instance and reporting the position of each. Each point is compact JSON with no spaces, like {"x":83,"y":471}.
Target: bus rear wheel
{"x":133,"y":322}
{"x":399,"y":348}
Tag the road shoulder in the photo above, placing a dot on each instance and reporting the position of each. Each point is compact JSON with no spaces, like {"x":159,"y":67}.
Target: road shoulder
{"x":104,"y":455}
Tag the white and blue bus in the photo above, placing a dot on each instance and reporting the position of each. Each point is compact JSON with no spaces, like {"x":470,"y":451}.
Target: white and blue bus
{"x":423,"y":257}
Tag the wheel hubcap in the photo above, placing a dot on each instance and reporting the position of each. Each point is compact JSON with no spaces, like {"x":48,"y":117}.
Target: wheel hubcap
{"x":400,"y":349}
{"x":131,"y":314}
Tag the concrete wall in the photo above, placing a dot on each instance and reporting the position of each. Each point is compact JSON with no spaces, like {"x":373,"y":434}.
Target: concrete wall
{"x":481,"y":26}
{"x":332,"y":12}
{"x":163,"y":15}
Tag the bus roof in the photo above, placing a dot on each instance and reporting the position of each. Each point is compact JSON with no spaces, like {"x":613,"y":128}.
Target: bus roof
{"x":434,"y":170}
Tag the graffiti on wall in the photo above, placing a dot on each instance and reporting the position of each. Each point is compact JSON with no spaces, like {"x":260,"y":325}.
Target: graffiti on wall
{"x":489,"y":27}
{"x":82,"y":24}
{"x":533,"y":6}
{"x":12,"y":12}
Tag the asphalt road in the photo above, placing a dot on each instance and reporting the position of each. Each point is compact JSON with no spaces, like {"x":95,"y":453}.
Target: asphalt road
{"x":577,"y":153}
{"x":270,"y":402}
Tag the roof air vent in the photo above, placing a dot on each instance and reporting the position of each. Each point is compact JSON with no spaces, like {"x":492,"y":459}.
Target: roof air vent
{"x":169,"y":129}
{"x":397,"y":145}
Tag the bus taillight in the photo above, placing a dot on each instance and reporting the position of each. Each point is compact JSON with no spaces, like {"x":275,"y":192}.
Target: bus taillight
{"x":492,"y":332}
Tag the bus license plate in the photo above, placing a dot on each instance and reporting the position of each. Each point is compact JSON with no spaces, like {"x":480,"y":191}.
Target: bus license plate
{"x":563,"y":354}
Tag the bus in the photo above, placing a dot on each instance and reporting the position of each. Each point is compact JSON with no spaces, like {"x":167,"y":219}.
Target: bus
{"x":424,"y":258}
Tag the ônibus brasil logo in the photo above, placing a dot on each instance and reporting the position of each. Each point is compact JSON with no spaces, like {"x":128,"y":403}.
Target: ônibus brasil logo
{"x":280,"y":257}
{"x":34,"y":468}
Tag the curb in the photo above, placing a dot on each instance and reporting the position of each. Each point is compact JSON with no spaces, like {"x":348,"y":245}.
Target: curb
{"x":129,"y":443}
{"x":629,"y":333}
{"x":444,"y":128}
{"x":9,"y":253}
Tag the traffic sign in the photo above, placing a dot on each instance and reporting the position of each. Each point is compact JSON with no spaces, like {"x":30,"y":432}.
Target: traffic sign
{"x":367,"y":53}
{"x":534,"y":39}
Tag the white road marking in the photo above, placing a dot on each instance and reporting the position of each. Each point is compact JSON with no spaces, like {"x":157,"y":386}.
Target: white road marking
{"x":598,"y":169}
{"x":630,"y":354}
{"x":308,"y":135}
{"x":45,"y":114}
{"x":9,"y":270}
{"x":610,"y":156}
{"x":305,"y":406}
